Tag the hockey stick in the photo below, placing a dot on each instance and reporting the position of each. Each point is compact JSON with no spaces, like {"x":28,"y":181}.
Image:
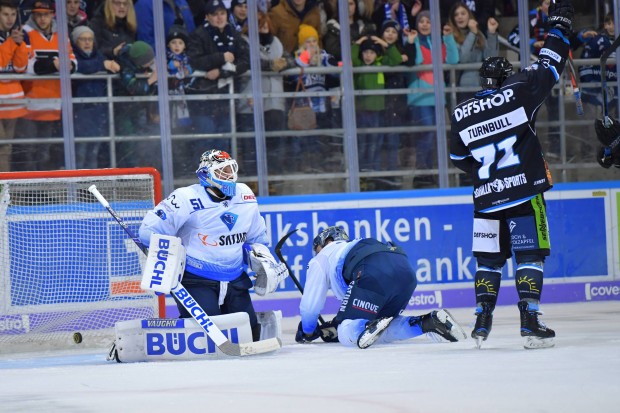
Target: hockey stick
{"x":278,"y":250}
{"x":604,"y":56}
{"x":185,"y":298}
{"x":573,"y":80}
{"x":330,"y":336}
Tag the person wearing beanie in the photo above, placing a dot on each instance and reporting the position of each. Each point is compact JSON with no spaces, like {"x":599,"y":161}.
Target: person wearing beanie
{"x":179,"y":67}
{"x":238,"y":15}
{"x":90,"y":119}
{"x":310,"y":54}
{"x":369,"y":51}
{"x":288,"y":15}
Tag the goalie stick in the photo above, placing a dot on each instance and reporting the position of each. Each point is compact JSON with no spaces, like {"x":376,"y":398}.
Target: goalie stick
{"x":604,"y":56}
{"x":184,"y":297}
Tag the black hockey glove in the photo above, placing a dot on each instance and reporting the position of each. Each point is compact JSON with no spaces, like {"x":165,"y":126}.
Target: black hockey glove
{"x":300,"y":337}
{"x":561,"y":17}
{"x":329,"y":331}
{"x":608,"y":136}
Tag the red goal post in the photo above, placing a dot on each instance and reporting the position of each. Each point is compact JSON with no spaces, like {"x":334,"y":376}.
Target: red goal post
{"x":66,"y":266}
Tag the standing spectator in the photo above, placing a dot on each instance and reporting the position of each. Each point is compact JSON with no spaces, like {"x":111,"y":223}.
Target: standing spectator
{"x":273,"y":58}
{"x":286,"y":17}
{"x":176,"y":13}
{"x":369,"y":51}
{"x":135,"y":59}
{"x":473,"y":45}
{"x":114,"y":27}
{"x":395,"y":10}
{"x":481,"y":10}
{"x":422,"y":104}
{"x":43,"y":118}
{"x":13,"y":59}
{"x":238,"y":15}
{"x":499,"y":149}
{"x":221,"y":52}
{"x":90,"y":119}
{"x":396,"y":104}
{"x":75,"y":15}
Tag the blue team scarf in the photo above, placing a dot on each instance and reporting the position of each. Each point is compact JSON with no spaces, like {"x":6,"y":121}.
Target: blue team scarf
{"x":224,"y":40}
{"x":401,"y":16}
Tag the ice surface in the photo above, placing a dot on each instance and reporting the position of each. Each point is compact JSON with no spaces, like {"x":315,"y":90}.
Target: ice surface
{"x":581,"y":374}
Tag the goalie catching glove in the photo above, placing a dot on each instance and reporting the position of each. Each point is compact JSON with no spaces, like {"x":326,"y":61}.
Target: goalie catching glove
{"x":269,"y":273}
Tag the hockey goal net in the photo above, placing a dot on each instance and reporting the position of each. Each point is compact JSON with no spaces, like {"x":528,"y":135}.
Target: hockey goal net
{"x":66,"y":266}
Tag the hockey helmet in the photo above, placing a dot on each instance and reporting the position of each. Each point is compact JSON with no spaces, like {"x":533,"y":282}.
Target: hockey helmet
{"x":329,"y":233}
{"x":218,"y":170}
{"x":494,"y":71}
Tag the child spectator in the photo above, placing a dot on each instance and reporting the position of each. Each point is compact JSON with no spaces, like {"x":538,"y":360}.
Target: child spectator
{"x":368,"y":51}
{"x":422,"y":104}
{"x":180,"y":68}
{"x":395,"y":113}
{"x":138,"y":58}
{"x":90,"y":119}
{"x":13,"y":59}
{"x":308,"y":55}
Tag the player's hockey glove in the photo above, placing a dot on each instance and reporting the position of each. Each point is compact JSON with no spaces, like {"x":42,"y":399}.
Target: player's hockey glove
{"x":561,"y":17}
{"x":329,"y":331}
{"x":608,"y":136}
{"x":300,"y":337}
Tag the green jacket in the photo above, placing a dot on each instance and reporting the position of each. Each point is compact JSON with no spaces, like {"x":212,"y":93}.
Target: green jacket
{"x":372,"y":81}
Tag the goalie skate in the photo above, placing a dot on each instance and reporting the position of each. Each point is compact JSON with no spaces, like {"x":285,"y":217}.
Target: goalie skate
{"x":373,"y":331}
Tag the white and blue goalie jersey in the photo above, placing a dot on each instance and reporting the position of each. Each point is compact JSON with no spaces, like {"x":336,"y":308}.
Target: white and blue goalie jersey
{"x":213,"y":233}
{"x":493,"y":136}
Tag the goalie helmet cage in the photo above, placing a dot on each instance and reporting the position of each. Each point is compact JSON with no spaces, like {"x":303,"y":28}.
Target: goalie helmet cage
{"x":66,"y":266}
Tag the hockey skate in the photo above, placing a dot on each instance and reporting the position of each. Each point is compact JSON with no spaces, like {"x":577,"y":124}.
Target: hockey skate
{"x":484,"y":322}
{"x":536,"y":334}
{"x":373,"y":331}
{"x":441,"y":323}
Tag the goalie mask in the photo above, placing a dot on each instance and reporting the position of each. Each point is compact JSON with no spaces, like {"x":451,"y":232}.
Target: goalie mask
{"x":218,"y":170}
{"x":329,"y":234}
{"x":494,"y":71}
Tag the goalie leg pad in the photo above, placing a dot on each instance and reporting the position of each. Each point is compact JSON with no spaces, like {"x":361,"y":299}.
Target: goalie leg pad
{"x":164,"y":265}
{"x":175,"y":339}
{"x":269,"y":273}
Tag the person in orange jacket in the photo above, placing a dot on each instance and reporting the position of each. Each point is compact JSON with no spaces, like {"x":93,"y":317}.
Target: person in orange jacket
{"x":13,"y":59}
{"x":44,"y":115}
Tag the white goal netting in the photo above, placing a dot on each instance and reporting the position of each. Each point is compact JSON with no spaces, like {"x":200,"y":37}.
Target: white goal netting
{"x":66,"y":266}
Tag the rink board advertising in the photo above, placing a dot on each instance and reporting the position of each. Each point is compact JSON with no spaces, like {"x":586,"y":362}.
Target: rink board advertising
{"x":434,"y":227}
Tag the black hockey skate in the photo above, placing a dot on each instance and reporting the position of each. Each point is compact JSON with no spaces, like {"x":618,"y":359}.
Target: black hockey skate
{"x":484,"y":322}
{"x":536,"y":334}
{"x":442,"y":323}
{"x":373,"y":331}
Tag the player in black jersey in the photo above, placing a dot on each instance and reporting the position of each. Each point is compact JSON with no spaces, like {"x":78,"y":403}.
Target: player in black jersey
{"x":494,"y":141}
{"x":609,"y":137}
